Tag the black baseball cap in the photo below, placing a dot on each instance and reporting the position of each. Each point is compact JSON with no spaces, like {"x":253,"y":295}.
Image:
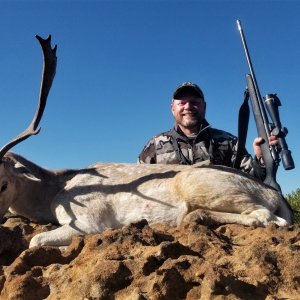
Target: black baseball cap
{"x":188,"y":87}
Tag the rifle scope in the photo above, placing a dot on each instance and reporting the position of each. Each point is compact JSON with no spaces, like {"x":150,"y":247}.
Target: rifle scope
{"x":272,"y":103}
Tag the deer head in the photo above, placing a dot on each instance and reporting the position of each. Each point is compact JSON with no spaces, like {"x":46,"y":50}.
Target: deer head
{"x":10,"y":170}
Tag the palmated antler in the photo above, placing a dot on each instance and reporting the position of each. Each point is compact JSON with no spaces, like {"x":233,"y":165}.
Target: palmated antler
{"x":46,"y":83}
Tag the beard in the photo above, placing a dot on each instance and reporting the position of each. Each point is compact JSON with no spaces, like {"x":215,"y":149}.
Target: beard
{"x":190,"y":121}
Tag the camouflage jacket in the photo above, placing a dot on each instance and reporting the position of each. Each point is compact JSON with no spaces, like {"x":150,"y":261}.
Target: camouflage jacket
{"x":220,"y":147}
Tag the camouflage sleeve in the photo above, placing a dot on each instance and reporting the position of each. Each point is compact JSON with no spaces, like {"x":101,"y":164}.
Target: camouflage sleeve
{"x":148,"y":154}
{"x":248,"y":164}
{"x":252,"y":167}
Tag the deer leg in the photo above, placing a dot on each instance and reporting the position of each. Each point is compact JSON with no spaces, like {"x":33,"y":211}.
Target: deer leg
{"x":61,"y":236}
{"x":259,"y":217}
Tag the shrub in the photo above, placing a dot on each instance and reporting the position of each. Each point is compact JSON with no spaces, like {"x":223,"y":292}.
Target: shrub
{"x":293,"y":199}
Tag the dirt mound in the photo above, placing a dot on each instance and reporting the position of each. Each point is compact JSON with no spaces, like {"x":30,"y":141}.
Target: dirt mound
{"x":158,"y":262}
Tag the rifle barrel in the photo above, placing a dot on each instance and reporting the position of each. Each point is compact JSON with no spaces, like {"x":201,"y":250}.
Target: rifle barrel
{"x":255,"y":85}
{"x":239,"y":25}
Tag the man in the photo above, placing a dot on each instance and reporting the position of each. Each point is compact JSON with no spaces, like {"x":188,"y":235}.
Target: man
{"x":193,"y":140}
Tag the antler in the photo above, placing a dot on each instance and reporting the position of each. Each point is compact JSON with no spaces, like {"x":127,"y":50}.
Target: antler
{"x":46,"y":83}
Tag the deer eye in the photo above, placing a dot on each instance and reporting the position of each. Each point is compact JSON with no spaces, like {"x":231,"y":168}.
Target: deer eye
{"x":3,"y":187}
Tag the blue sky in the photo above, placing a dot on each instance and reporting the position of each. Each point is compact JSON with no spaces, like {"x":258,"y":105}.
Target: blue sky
{"x":119,"y":62}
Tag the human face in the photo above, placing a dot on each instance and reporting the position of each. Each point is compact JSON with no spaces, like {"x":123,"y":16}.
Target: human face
{"x":188,"y":112}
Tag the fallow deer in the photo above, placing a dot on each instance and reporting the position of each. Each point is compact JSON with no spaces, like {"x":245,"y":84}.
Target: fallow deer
{"x":111,"y":195}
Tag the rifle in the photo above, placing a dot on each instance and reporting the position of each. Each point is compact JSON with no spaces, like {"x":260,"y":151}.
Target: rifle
{"x":272,"y":155}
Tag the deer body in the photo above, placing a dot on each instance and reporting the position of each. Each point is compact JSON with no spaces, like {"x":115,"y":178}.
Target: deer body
{"x":111,"y":195}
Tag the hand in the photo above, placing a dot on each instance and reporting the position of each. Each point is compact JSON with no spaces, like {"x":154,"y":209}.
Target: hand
{"x":273,"y":140}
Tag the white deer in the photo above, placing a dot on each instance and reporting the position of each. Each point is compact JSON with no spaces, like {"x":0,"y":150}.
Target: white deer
{"x":111,"y":195}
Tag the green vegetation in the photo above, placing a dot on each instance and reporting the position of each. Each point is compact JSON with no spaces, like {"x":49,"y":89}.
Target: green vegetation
{"x":293,"y":199}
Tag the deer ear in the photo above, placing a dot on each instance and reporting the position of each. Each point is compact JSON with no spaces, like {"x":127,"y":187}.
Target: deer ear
{"x":22,"y":171}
